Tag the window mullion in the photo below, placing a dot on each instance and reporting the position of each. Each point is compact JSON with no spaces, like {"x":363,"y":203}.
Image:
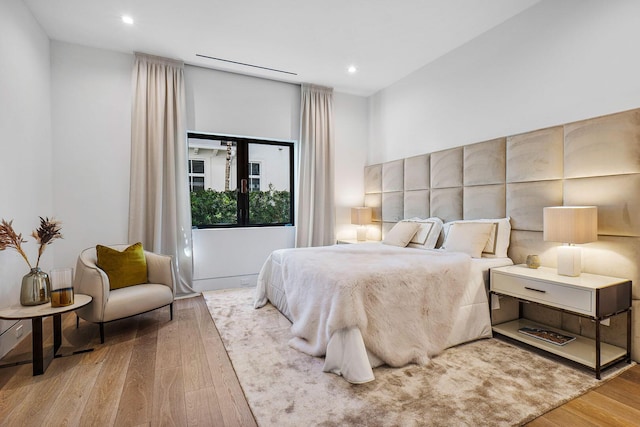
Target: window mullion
{"x":242,"y":154}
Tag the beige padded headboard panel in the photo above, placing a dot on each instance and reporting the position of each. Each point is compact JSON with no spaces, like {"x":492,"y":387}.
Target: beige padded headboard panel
{"x":590,"y":162}
{"x":485,"y":163}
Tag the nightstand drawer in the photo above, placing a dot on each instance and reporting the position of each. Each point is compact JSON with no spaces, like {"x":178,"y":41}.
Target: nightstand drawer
{"x":552,"y":294}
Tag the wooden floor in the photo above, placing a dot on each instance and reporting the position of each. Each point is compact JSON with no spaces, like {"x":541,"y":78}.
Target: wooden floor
{"x":615,"y":403}
{"x":152,"y":371}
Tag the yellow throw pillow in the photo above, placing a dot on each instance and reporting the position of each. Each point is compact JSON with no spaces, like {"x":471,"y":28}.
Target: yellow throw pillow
{"x":126,"y":268}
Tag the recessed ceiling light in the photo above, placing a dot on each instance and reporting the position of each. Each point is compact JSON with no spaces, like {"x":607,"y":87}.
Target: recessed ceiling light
{"x":127,"y":19}
{"x":352,"y":69}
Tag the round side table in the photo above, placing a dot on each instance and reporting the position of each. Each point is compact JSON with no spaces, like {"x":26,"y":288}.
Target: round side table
{"x":36,"y":313}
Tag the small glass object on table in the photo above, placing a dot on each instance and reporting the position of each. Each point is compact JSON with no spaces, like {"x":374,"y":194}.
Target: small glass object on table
{"x":61,"y":287}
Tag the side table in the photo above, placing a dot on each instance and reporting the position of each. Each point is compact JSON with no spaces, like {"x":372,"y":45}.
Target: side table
{"x":36,"y":313}
{"x":591,"y":296}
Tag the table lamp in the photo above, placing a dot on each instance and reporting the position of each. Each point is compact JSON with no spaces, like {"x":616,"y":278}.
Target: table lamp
{"x":361,"y":216}
{"x":571,"y":225}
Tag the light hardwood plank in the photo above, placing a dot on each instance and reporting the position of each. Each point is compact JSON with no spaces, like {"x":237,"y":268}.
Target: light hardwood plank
{"x":37,"y":404}
{"x":203,"y":408}
{"x":235,"y":410}
{"x":169,"y":352}
{"x":622,"y":390}
{"x":73,"y":397}
{"x":102,"y":407}
{"x":169,"y":399}
{"x":561,"y":417}
{"x":604,"y":410}
{"x":197,"y":374}
{"x":137,"y":394}
{"x":612,"y":403}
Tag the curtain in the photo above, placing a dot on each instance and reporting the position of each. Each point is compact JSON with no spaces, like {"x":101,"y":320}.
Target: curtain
{"x":159,"y":206}
{"x":316,"y":207}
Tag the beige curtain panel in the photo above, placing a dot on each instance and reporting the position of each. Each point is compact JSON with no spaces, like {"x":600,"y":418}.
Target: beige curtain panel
{"x":316,"y":207}
{"x":159,"y":209}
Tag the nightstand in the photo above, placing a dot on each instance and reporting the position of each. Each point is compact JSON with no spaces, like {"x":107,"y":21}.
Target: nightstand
{"x":591,"y":296}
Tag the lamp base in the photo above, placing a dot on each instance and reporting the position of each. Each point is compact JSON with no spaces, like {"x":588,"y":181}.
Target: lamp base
{"x":569,"y":260}
{"x":362,"y":234}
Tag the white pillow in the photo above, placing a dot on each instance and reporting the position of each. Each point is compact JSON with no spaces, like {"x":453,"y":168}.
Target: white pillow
{"x":468,"y":237}
{"x":498,"y":242}
{"x":427,"y":235}
{"x":401,"y":234}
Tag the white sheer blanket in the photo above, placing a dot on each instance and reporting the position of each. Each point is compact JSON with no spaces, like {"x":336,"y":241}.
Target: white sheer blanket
{"x":403,"y":302}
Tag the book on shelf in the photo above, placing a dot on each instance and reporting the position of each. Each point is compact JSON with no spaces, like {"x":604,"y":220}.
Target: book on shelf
{"x":547,"y":335}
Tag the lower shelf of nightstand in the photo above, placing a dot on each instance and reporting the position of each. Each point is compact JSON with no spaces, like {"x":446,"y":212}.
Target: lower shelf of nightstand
{"x":582,"y":350}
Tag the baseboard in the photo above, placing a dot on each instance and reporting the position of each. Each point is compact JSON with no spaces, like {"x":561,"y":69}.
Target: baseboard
{"x":217,"y":283}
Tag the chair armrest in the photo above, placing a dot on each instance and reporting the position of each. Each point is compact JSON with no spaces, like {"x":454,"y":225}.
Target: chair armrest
{"x":160,"y":270}
{"x":92,"y":281}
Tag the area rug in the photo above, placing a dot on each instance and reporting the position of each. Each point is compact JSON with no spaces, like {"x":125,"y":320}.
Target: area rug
{"x":486,"y":382}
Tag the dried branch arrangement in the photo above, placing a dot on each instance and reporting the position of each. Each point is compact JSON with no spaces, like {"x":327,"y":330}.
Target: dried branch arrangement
{"x":44,"y":235}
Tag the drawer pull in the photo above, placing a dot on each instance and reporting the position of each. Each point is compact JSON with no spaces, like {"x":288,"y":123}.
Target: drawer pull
{"x":536,"y":290}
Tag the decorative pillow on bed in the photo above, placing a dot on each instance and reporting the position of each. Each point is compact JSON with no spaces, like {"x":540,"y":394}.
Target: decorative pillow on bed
{"x":427,"y":235}
{"x":401,"y":233}
{"x":468,"y":237}
{"x":498,"y":242}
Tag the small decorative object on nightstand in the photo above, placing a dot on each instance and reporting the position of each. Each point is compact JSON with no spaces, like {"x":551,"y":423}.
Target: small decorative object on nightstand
{"x":589,"y":295}
{"x":533,"y":261}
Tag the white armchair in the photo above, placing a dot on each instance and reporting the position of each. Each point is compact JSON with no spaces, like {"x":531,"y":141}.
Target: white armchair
{"x":109,"y":305}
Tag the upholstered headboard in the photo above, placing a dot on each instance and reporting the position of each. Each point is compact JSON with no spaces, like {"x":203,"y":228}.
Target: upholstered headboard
{"x":591,"y":162}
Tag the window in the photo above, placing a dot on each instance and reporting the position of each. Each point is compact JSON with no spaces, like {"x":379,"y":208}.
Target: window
{"x":240,"y":182}
{"x":254,"y":176}
{"x":196,"y":175}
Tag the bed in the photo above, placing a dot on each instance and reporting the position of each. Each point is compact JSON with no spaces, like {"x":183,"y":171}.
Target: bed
{"x":364,"y":305}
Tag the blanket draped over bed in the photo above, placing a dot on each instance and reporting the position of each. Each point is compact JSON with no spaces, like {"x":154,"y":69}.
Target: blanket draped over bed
{"x":403,"y":306}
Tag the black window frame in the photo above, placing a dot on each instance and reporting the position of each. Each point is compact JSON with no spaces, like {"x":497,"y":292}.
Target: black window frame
{"x":242,"y":173}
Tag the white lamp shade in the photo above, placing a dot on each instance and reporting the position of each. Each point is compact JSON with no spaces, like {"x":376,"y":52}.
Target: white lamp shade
{"x":361,"y":215}
{"x":570,"y":224}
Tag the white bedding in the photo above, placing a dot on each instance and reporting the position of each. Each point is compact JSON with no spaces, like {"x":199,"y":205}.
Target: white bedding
{"x":343,"y":343}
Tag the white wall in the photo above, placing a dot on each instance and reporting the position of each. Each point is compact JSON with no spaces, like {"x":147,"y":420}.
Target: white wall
{"x":91,"y":115}
{"x":232,"y":257}
{"x":221,"y":102}
{"x":351,"y":117}
{"x":25,"y":125}
{"x":557,"y":62}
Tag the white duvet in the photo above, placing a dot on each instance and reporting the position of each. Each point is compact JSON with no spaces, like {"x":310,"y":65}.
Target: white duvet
{"x":368,"y":304}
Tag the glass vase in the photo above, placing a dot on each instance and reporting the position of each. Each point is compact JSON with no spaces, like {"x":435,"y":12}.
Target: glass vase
{"x":36,"y":288}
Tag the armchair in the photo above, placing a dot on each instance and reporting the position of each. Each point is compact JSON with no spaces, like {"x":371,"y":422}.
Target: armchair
{"x":109,"y":305}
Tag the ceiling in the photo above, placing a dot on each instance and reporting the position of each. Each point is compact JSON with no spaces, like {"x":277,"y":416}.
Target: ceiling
{"x":311,"y":41}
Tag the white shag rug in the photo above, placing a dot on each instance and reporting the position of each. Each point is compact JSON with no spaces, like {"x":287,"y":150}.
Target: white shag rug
{"x":486,"y":382}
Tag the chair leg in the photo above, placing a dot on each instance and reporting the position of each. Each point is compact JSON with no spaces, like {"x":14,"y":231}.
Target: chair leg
{"x":101,"y":333}
{"x":77,"y":321}
{"x":171,"y":310}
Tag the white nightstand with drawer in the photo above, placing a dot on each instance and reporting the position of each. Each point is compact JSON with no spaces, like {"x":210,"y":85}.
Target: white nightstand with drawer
{"x":588,"y":295}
